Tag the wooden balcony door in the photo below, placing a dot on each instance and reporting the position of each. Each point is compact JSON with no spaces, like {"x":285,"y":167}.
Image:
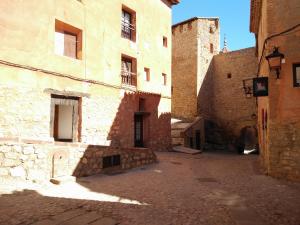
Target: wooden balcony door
{"x":138,"y":131}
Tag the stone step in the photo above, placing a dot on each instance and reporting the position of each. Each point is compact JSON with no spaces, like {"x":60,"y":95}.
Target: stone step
{"x":176,"y":133}
{"x":180,"y":125}
{"x":177,"y":141}
{"x":186,"y":150}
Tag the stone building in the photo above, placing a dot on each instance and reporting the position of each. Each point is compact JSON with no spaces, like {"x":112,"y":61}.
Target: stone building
{"x":195,"y":42}
{"x":208,"y":84}
{"x":275,"y":23}
{"x":84,"y":85}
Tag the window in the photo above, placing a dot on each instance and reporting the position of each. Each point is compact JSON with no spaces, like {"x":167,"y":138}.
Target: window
{"x":147,"y":74}
{"x":164,"y":79}
{"x":128,"y":71}
{"x":165,"y":42}
{"x":68,"y":40}
{"x":229,"y":75}
{"x":211,"y":48}
{"x":65,"y":118}
{"x":180,"y":28}
{"x":111,"y":161}
{"x":128,"y":24}
{"x":296,"y":74}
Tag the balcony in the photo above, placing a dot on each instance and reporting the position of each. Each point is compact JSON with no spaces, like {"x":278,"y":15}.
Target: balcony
{"x":128,"y":78}
{"x":128,"y":30}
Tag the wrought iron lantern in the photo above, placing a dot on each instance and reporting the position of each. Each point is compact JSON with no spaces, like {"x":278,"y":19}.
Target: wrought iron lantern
{"x":247,"y":86}
{"x":275,"y":60}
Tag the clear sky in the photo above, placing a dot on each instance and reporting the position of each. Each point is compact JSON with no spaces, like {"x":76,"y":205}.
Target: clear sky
{"x":234,"y":18}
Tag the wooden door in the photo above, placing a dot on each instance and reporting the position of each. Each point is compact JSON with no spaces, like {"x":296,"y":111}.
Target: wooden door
{"x":138,"y":131}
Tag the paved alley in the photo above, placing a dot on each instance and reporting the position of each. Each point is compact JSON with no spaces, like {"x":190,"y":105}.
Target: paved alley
{"x":209,"y":189}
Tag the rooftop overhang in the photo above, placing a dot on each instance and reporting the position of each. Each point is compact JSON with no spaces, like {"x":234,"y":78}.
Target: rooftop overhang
{"x":255,"y":14}
{"x":174,"y":2}
{"x":171,"y":2}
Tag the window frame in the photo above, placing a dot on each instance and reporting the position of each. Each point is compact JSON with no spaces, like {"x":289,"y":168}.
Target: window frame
{"x":129,"y":77}
{"x":76,"y":119}
{"x":295,"y":82}
{"x":67,"y":29}
{"x":164,"y":75}
{"x":131,"y":26}
{"x":165,"y":41}
{"x":147,"y":73}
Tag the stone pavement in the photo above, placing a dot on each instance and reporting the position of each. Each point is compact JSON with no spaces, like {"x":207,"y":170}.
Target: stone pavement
{"x":209,"y":189}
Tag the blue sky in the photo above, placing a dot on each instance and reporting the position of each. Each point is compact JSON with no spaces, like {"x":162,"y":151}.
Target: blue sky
{"x":234,"y":18}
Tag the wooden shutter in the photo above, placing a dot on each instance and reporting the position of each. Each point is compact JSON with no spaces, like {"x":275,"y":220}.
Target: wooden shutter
{"x":70,"y":45}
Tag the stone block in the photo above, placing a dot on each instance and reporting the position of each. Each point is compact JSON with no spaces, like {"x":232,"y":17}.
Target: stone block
{"x":5,"y":148}
{"x":18,"y":171}
{"x":10,"y":162}
{"x":11,"y":155}
{"x":84,"y":160}
{"x":36,"y":174}
{"x":28,"y":150}
{"x":17,"y":148}
{"x":4,"y":171}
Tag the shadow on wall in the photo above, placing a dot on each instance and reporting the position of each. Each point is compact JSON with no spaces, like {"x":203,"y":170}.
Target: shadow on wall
{"x":137,"y":131}
{"x":205,"y":96}
{"x":137,"y":123}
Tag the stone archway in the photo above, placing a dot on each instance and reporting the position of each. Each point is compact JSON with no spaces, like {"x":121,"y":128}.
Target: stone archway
{"x":247,"y":141}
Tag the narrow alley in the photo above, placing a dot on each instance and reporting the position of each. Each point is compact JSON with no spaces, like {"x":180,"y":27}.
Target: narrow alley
{"x":210,"y":188}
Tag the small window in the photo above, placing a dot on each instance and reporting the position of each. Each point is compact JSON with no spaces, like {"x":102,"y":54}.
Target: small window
{"x":296,"y":74}
{"x":217,"y":24}
{"x":128,"y":71}
{"x":211,"y":48}
{"x":165,"y":42}
{"x":65,"y":118}
{"x":111,"y":161}
{"x":147,"y":74}
{"x":229,"y":75}
{"x":180,"y":28}
{"x":128,"y":24}
{"x":68,"y":40}
{"x":164,"y":79}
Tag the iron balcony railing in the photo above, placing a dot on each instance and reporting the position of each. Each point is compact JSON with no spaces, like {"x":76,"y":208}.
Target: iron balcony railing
{"x":127,"y":30}
{"x":128,"y":78}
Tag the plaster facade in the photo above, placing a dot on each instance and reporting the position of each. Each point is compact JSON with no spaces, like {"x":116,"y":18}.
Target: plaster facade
{"x":31,"y":72}
{"x":278,"y":113}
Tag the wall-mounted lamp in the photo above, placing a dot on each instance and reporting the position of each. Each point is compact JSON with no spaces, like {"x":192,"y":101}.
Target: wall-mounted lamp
{"x":247,"y":86}
{"x":274,"y":60}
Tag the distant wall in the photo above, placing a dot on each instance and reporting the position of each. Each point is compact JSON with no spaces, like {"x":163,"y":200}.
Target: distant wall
{"x":231,"y":108}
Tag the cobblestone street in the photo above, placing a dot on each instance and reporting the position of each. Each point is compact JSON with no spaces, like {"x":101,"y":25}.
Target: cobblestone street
{"x":210,"y":189}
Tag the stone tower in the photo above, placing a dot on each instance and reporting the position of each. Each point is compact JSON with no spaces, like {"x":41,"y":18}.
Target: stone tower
{"x":195,"y":42}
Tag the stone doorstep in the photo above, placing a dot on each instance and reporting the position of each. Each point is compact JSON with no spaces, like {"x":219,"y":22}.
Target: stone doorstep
{"x":63,"y":180}
{"x":186,"y":150}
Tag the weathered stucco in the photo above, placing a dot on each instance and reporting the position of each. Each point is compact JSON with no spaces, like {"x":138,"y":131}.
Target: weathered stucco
{"x":30,"y":72}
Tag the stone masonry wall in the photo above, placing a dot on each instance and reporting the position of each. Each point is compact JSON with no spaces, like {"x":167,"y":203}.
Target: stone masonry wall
{"x":279,"y":138}
{"x":231,"y":108}
{"x":40,"y":161}
{"x":195,"y":42}
{"x":184,"y":70}
{"x":223,"y":99}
